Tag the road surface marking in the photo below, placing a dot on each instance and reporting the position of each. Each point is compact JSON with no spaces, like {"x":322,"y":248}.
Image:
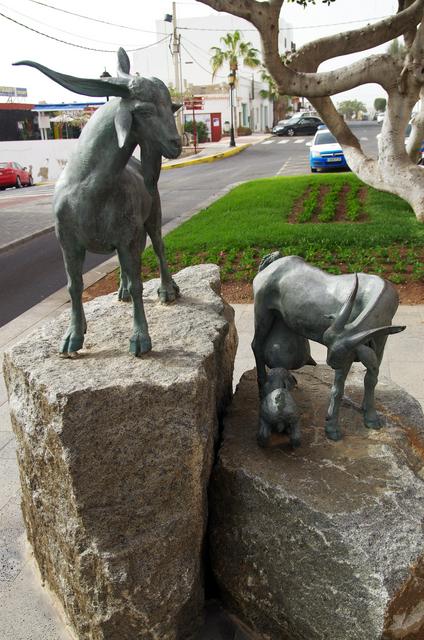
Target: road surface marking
{"x":283,"y":167}
{"x":19,"y":196}
{"x":268,"y":142}
{"x":282,"y":142}
{"x":301,"y":141}
{"x":363,"y":138}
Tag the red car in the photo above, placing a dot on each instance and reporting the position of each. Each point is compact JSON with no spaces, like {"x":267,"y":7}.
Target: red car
{"x":13,"y":175}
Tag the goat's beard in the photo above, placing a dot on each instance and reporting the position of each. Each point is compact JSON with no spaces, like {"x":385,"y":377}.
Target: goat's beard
{"x":151,"y":162}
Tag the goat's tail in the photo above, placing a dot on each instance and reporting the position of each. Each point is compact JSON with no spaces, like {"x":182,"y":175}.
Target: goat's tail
{"x":266,"y":260}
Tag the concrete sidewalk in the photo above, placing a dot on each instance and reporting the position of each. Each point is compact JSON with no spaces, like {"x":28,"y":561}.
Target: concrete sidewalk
{"x":211,"y":151}
{"x":27,"y":611}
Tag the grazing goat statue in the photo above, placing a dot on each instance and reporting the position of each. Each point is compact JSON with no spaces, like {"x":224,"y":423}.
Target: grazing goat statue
{"x":350,"y":314}
{"x":105,"y":200}
{"x":278,"y":411}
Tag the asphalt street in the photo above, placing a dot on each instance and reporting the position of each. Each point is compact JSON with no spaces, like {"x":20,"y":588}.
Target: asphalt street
{"x":31,"y":271}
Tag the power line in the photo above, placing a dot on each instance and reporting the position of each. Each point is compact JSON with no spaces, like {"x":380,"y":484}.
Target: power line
{"x":69,"y":33}
{"x":239,"y":75}
{"x":79,"y":15}
{"x":72,"y":44}
{"x":209,"y":70}
{"x":122,"y":26}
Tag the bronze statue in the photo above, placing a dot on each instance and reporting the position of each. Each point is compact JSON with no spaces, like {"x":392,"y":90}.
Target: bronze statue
{"x":350,"y":314}
{"x":105,"y":200}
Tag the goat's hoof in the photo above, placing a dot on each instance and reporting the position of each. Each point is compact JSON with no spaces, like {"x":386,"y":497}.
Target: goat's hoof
{"x":168,"y":293}
{"x":71,"y":345}
{"x":333,"y":434}
{"x":140,"y":345}
{"x":262,"y":440}
{"x":373,"y":423}
{"x":295,"y":442}
{"x":124,"y":295}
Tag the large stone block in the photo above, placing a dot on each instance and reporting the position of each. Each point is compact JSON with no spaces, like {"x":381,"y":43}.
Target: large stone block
{"x":325,"y":541}
{"x":115,"y":454}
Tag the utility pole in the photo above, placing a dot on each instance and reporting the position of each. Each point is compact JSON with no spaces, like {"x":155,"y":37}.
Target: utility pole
{"x":177,"y":65}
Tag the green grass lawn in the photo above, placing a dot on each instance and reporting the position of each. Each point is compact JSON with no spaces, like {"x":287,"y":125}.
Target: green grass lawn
{"x":334,"y":221}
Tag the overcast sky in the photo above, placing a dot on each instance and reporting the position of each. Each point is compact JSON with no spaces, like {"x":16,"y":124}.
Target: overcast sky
{"x":19,"y":43}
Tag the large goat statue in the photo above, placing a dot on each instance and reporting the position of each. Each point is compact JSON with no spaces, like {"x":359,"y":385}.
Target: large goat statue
{"x":105,"y":200}
{"x":350,"y":314}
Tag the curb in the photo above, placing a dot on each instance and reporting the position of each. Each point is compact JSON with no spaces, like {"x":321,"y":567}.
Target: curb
{"x":24,"y":239}
{"x":211,"y":158}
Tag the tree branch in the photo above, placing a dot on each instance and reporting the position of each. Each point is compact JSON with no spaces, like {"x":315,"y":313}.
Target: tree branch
{"x":359,"y":39}
{"x":381,"y":69}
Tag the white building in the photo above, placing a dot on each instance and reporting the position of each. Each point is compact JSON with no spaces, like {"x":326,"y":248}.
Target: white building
{"x":197,"y":36}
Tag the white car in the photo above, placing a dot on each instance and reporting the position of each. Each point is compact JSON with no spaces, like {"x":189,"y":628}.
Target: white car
{"x":380,"y":117}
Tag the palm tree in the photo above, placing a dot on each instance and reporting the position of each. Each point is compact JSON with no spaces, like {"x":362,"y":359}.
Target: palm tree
{"x":280,"y":102}
{"x":235,"y":49}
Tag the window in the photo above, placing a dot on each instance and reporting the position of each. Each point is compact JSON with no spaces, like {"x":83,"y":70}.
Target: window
{"x":244,"y":110}
{"x":325,"y":137}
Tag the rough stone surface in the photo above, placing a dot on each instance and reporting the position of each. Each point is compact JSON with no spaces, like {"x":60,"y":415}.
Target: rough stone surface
{"x":115,"y":454}
{"x":324,"y":542}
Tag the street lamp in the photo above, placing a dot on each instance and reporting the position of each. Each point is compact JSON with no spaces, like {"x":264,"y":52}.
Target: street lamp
{"x":231,"y":82}
{"x":106,"y":74}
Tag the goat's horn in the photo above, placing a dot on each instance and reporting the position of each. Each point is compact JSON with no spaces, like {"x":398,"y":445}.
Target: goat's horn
{"x":84,"y":86}
{"x":350,"y":342}
{"x":343,"y":315}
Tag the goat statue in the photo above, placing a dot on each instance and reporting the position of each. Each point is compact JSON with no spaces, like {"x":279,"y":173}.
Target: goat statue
{"x":350,"y":314}
{"x":106,"y":200}
{"x":278,"y":411}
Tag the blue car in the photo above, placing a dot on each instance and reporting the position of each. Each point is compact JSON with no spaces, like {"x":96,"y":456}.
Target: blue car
{"x":326,"y":153}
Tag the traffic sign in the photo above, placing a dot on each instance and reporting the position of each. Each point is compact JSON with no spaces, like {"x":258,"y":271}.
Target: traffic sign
{"x":194,"y":104}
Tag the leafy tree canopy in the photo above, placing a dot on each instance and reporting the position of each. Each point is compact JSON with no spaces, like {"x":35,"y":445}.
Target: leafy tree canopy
{"x":380,"y":104}
{"x":350,"y":108}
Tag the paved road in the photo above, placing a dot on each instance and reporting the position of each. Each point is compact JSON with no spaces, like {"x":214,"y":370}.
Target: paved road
{"x":32,"y":271}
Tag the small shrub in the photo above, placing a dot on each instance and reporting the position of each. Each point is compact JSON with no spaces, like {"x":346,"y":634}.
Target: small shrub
{"x":201,"y":128}
{"x":309,"y":205}
{"x":329,"y":205}
{"x":244,"y":131}
{"x":353,"y":204}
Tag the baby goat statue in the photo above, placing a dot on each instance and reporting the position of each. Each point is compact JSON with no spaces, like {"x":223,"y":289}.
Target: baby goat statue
{"x":350,"y":314}
{"x":278,"y":411}
{"x":105,"y":200}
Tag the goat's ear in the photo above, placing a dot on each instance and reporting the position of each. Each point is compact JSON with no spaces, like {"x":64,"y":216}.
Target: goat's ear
{"x":350,"y":342}
{"x":176,"y":107}
{"x":123,"y":122}
{"x":291,"y":381}
{"x":123,"y":62}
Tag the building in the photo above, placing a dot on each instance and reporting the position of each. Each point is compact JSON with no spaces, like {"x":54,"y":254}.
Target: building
{"x":63,"y":120}
{"x":18,"y":122}
{"x":197,"y":36}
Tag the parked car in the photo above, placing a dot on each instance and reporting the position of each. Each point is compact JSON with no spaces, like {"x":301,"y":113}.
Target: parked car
{"x":298,"y":125}
{"x":325,"y":152}
{"x":379,"y":117}
{"x":13,"y":175}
